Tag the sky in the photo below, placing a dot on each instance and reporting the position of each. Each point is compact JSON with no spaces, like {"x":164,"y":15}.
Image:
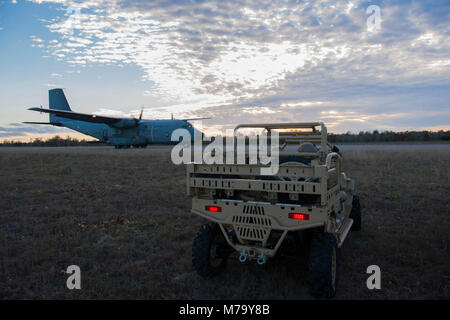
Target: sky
{"x":355,"y":65}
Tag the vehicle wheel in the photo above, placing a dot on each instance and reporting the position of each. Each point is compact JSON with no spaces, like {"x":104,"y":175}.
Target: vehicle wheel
{"x":209,"y":251}
{"x":323,"y":265}
{"x":355,"y":214}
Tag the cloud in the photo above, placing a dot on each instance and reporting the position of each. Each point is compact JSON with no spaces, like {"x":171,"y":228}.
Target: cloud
{"x":399,"y":109}
{"x":36,"y":39}
{"x":20,"y":130}
{"x":202,"y":56}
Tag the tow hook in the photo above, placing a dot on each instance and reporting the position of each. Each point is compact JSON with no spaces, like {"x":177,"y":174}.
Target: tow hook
{"x":243,"y":256}
{"x":262,"y":259}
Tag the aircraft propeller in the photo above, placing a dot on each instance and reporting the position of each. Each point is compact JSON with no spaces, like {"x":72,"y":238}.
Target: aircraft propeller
{"x":140,"y":116}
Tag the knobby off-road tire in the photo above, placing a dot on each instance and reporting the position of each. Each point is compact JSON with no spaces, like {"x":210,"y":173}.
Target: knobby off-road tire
{"x":323,"y":265}
{"x":355,"y":214}
{"x":209,"y":251}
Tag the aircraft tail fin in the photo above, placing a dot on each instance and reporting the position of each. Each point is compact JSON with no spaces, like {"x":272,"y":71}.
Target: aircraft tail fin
{"x":57,"y":100}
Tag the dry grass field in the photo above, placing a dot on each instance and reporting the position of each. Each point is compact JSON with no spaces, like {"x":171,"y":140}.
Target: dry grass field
{"x":123,"y":217}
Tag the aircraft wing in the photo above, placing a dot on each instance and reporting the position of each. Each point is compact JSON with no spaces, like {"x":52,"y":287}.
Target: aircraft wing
{"x":192,"y":119}
{"x":79,"y":116}
{"x":49,"y":123}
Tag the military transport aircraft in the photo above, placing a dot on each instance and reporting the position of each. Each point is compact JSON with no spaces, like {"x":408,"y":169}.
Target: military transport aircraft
{"x":119,"y":132}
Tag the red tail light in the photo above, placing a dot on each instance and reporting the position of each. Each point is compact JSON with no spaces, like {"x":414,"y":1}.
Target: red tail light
{"x":298,"y":216}
{"x":213,"y":209}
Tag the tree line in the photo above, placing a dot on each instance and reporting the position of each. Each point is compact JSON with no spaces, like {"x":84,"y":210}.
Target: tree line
{"x":390,"y":136}
{"x":362,"y":136}
{"x":55,"y":141}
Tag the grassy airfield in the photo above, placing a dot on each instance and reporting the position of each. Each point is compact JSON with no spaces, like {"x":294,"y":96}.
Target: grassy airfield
{"x":123,"y":217}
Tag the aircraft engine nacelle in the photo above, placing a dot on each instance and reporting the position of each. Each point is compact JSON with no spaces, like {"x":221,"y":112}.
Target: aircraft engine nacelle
{"x":125,"y":124}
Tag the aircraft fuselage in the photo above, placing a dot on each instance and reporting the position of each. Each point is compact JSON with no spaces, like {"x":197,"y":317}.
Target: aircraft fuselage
{"x":147,"y":132}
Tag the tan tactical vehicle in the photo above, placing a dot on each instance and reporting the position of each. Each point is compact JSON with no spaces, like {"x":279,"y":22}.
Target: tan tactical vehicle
{"x":307,"y":208}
